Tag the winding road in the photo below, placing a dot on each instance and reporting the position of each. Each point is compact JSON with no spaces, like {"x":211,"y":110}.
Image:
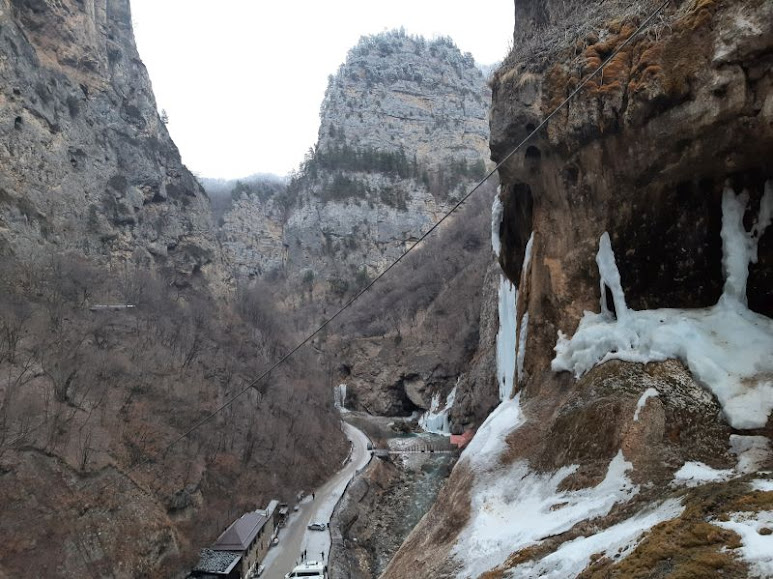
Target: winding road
{"x":295,"y":537}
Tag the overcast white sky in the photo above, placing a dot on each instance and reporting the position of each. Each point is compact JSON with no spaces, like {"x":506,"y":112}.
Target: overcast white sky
{"x":243,"y":80}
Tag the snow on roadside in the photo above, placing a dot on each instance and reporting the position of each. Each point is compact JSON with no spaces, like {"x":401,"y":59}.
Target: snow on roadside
{"x":726,"y":347}
{"x":317,"y":542}
{"x":617,"y":541}
{"x":757,"y":549}
{"x":648,"y":393}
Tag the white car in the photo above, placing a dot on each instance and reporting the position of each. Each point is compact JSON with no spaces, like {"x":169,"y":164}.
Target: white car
{"x":313,"y":569}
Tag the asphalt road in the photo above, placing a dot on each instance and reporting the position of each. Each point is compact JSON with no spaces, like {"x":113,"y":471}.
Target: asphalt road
{"x":295,"y":537}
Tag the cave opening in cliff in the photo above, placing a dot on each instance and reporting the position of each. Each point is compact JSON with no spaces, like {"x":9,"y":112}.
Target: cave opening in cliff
{"x":516,"y":228}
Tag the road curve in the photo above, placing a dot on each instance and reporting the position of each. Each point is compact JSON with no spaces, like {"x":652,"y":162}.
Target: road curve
{"x":295,"y":537}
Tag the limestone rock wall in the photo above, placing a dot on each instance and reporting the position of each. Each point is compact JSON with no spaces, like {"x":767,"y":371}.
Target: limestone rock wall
{"x":87,"y":164}
{"x":403,"y":134}
{"x":400,"y":92}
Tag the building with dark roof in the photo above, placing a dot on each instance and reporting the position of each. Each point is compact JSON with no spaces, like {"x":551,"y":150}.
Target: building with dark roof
{"x":241,"y":547}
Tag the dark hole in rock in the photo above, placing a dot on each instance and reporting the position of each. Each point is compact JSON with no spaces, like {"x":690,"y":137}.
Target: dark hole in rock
{"x":17,"y":123}
{"x":516,"y":228}
{"x":530,"y":127}
{"x":610,"y":300}
{"x":572,"y":174}
{"x":533,"y":153}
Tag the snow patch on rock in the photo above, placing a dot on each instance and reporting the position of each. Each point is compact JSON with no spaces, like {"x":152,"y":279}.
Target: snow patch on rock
{"x":761,"y":484}
{"x":693,"y":474}
{"x":648,"y":393}
{"x":757,"y":549}
{"x":617,"y":542}
{"x":513,"y":507}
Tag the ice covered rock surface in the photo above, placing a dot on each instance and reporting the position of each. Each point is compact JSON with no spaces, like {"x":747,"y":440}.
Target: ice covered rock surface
{"x":726,"y":347}
{"x":514,"y":507}
{"x":617,"y":541}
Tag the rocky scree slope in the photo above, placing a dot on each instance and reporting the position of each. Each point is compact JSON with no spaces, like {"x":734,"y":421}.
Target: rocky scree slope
{"x":87,"y":164}
{"x":650,"y":191}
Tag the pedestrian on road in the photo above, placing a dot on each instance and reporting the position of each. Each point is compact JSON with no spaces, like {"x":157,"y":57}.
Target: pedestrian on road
{"x":312,"y":496}
{"x":304,"y":554}
{"x":323,"y":555}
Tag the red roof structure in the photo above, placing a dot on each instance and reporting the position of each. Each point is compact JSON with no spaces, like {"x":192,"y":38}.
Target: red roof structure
{"x":461,"y":440}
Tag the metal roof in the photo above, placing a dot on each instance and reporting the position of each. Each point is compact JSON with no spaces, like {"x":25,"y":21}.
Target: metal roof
{"x":242,"y":531}
{"x":217,"y":562}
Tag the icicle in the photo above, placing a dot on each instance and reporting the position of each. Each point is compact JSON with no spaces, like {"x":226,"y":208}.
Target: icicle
{"x":739,"y":247}
{"x":610,"y":278}
{"x":497,"y":211}
{"x":522,"y":337}
{"x":506,"y":338}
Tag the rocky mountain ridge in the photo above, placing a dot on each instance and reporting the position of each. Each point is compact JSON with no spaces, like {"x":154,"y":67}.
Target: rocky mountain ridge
{"x":403,"y":132}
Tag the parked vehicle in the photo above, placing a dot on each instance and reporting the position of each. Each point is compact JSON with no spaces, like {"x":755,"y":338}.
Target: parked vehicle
{"x":313,"y":569}
{"x":317,"y":526}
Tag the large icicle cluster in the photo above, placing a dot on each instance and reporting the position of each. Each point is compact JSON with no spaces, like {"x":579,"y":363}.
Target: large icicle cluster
{"x":726,"y":347}
{"x":435,"y":420}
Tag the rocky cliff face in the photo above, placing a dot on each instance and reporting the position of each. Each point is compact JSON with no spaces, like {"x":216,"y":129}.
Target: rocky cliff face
{"x":87,"y":164}
{"x":403,"y":132}
{"x":100,"y":471}
{"x":638,"y":466}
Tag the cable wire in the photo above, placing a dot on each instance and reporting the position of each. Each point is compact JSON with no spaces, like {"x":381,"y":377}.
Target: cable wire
{"x":391,"y":266}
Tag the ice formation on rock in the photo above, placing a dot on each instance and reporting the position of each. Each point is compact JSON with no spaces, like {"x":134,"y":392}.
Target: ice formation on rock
{"x":506,"y":337}
{"x":726,"y":347}
{"x":435,"y":420}
{"x":339,"y":397}
{"x":497,"y":211}
{"x":514,"y":507}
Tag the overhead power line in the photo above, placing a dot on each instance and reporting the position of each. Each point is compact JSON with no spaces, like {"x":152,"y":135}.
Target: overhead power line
{"x":391,"y":266}
{"x":429,"y":232}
